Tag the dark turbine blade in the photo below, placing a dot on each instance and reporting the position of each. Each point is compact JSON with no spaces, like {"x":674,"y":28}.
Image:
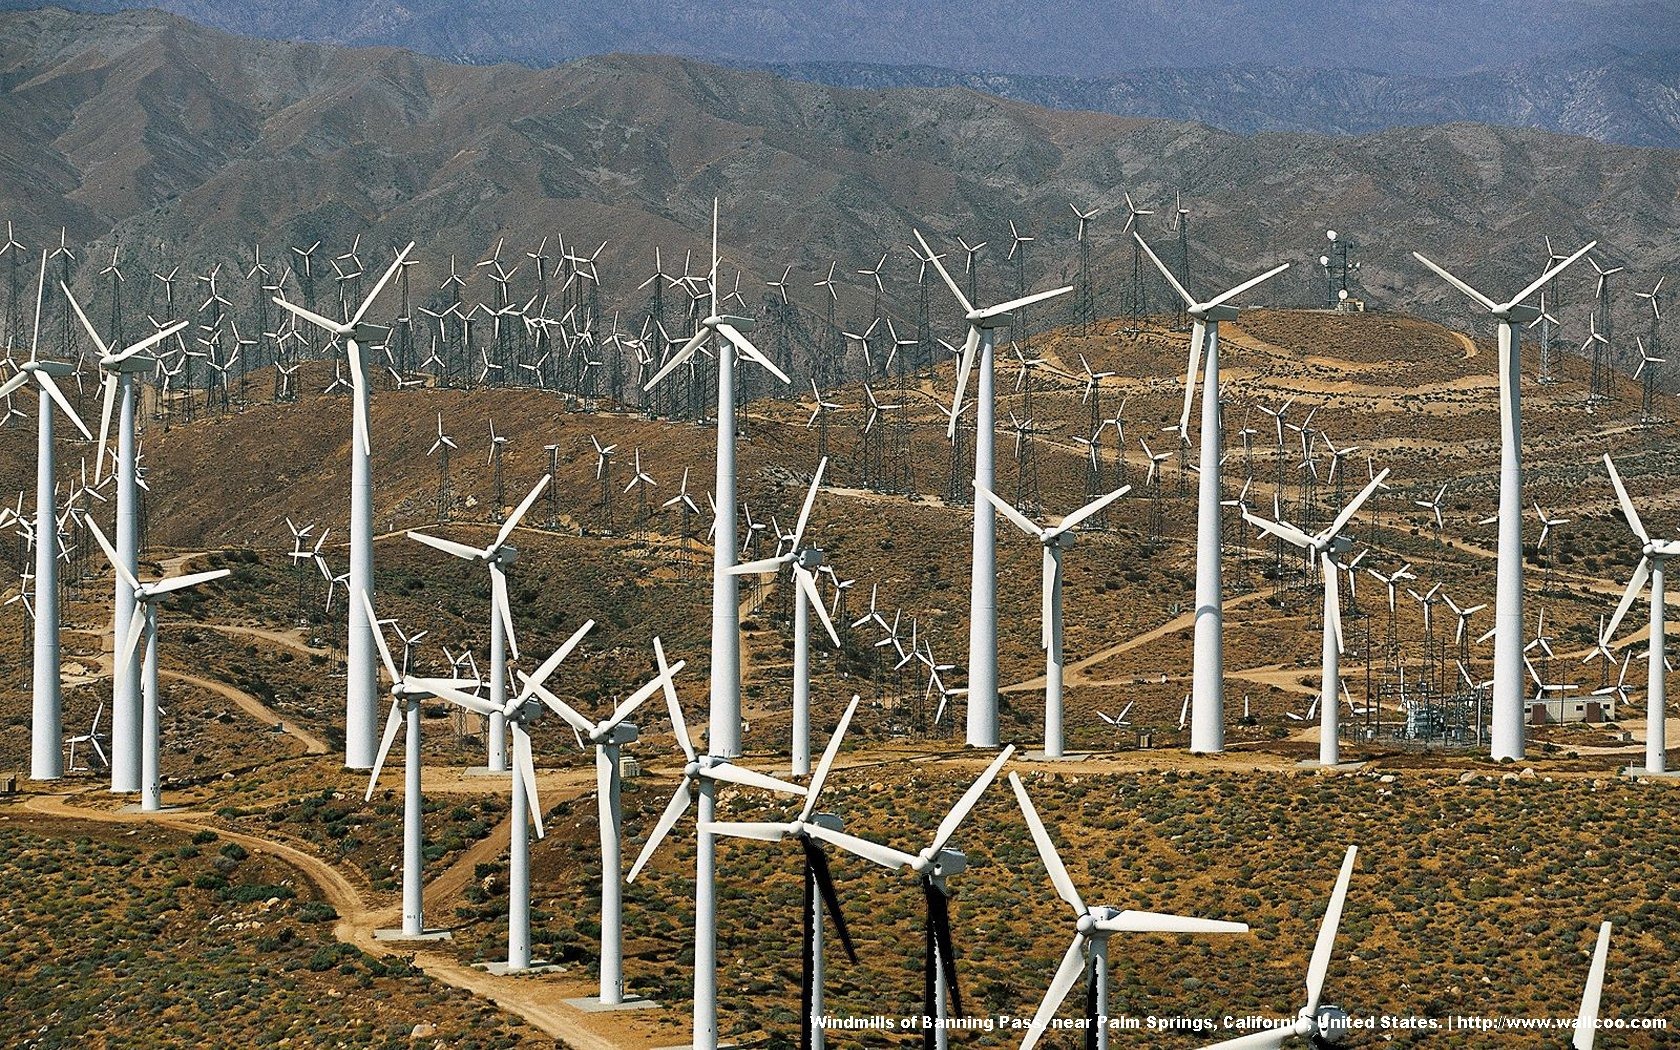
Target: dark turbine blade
{"x":939,"y":921}
{"x":816,"y":862}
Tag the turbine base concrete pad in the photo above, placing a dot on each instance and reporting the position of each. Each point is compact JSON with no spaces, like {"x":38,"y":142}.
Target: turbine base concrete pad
{"x":500,"y":969}
{"x":1339,"y":767}
{"x":1641,"y":771}
{"x":134,"y":807}
{"x":483,"y":771}
{"x":423,"y":935}
{"x":1066,"y":756}
{"x":593,"y":1005}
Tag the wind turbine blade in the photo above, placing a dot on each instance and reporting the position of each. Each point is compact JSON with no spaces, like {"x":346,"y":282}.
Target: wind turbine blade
{"x":178,"y":583}
{"x":524,"y":505}
{"x":1627,"y":504}
{"x":11,"y":385}
{"x":390,"y":271}
{"x":959,"y":812}
{"x":1022,"y":303}
{"x":640,"y":696}
{"x":603,"y":800}
{"x":1245,"y":286}
{"x":1130,"y":921}
{"x":111,"y":555}
{"x":1491,"y":306}
{"x":1189,"y":300}
{"x":751,"y":568}
{"x":1279,"y":529}
{"x":1067,"y":975}
{"x":1635,"y":585}
{"x":1586,"y":1022}
{"x":460,"y":550}
{"x":393,"y":722}
{"x":1021,"y":521}
{"x":817,"y":860}
{"x":104,"y":351}
{"x":964,"y":368}
{"x":745,"y":346}
{"x":559,"y":655}
{"x":445,"y":689}
{"x":1354,"y":504}
{"x":1551,"y":273}
{"x":359,"y":390}
{"x":1332,"y":598}
{"x":679,"y":725}
{"x":1198,"y":348}
{"x":885,"y":856}
{"x":757,"y":830}
{"x":802,"y":580}
{"x":526,"y":770}
{"x":1094,"y":507}
{"x":1320,"y":965}
{"x":679,"y":358}
{"x":667,"y":820}
{"x":810,"y":500}
{"x":566,"y":712}
{"x":316,"y":319}
{"x":379,"y":638}
{"x":51,"y":387}
{"x":827,"y":761}
{"x":107,"y":406}
{"x":499,"y":599}
{"x":1047,"y":849}
{"x":136,"y":628}
{"x":150,"y":341}
{"x":1265,"y":1039}
{"x":731,"y":773}
{"x":931,"y":256}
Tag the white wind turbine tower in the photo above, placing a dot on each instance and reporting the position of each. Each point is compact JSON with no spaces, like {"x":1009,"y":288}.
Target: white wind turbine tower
{"x":496,"y":557}
{"x":1507,"y":729}
{"x":609,"y":736}
{"x":142,"y":623}
{"x":1093,"y":925}
{"x":524,"y":810}
{"x":46,"y":731}
{"x":1653,"y":566}
{"x":702,"y":772}
{"x":1326,"y":546}
{"x":1326,"y":1026}
{"x":804,"y":563}
{"x":120,"y":370}
{"x":1055,"y":542}
{"x":361,"y":679}
{"x":982,"y":629}
{"x":1207,"y":684}
{"x":727,"y":333}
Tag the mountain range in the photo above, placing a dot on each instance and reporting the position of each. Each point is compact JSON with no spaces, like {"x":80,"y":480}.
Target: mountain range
{"x":144,"y":128}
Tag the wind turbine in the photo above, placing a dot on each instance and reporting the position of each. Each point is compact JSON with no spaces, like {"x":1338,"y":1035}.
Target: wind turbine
{"x":1326,"y":546}
{"x":496,"y":557}
{"x":982,"y":627}
{"x":46,"y":728}
{"x":406,"y":695}
{"x":932,"y":866}
{"x":1056,"y":542}
{"x":811,"y":829}
{"x":1093,"y":925}
{"x":361,"y":679}
{"x":1653,"y":566}
{"x":1207,"y":684}
{"x":142,"y":624}
{"x":804,"y":562}
{"x":120,"y":370}
{"x":609,"y":736}
{"x":1312,"y":1023}
{"x":1507,"y":729}
{"x":726,"y":332}
{"x":520,"y":711}
{"x":702,"y":772}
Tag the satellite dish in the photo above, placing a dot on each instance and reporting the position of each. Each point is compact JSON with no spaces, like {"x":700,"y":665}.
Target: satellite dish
{"x":1324,"y":260}
{"x":1341,"y":294}
{"x":1330,"y":234}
